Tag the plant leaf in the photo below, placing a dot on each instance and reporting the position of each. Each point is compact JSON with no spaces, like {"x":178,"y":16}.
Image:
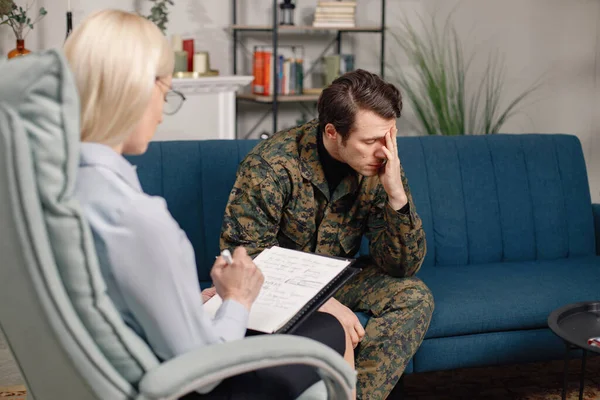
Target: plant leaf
{"x":440,"y":88}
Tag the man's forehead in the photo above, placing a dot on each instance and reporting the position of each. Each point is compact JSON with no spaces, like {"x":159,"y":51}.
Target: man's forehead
{"x":373,"y":127}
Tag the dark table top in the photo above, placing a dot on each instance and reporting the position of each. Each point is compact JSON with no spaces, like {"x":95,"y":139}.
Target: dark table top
{"x":576,"y":323}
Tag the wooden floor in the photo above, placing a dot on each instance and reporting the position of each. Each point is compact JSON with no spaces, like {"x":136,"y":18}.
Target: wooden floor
{"x":535,"y":381}
{"x":9,"y":374}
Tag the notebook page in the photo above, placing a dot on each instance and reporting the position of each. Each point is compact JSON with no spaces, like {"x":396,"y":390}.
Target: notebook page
{"x":292,"y":278}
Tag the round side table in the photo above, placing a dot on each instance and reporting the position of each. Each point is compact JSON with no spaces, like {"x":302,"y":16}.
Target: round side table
{"x":575,"y":324}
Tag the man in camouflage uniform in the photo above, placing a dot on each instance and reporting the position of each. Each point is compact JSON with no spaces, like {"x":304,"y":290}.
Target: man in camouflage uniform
{"x":320,"y":187}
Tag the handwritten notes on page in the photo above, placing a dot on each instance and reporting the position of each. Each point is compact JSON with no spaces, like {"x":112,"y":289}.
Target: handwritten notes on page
{"x":292,"y":279}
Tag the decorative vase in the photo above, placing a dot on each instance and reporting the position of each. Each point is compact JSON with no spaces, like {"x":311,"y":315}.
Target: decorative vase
{"x":20,"y":50}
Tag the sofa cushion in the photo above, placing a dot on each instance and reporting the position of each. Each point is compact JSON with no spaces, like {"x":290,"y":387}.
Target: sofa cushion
{"x":507,"y":296}
{"x":492,"y":348}
{"x":482,"y":199}
{"x":48,"y":106}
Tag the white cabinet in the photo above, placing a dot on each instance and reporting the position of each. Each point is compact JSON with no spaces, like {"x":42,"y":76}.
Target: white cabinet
{"x":208,"y":112}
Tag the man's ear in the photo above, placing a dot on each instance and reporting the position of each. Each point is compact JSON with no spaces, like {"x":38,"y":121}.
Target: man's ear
{"x":331,"y":132}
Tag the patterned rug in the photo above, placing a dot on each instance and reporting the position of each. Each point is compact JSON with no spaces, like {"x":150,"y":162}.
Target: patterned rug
{"x":536,"y":381}
{"x":13,"y":393}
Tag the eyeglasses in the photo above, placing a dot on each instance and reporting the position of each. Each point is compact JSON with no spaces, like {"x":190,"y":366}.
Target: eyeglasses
{"x":173,"y":100}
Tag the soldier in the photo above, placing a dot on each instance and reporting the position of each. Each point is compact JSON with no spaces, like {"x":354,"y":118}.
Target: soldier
{"x":318,"y":188}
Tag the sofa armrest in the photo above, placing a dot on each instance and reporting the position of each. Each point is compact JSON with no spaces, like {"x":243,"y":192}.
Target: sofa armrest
{"x":209,"y":365}
{"x":596,"y":212}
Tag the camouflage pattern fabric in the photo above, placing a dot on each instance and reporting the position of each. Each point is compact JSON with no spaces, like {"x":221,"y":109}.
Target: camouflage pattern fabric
{"x":281,"y":198}
{"x":400,"y":310}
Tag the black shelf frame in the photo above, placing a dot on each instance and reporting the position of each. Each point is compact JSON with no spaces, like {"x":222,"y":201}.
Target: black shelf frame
{"x":275,"y":32}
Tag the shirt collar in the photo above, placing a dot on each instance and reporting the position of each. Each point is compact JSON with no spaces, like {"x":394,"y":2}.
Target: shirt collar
{"x":310,"y":164}
{"x":100,"y":155}
{"x":312,"y":168}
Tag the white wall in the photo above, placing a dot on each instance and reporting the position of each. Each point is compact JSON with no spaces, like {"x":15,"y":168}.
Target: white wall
{"x":558,"y":40}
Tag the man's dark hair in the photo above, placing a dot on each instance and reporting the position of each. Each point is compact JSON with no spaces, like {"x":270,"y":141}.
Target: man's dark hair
{"x":353,"y":91}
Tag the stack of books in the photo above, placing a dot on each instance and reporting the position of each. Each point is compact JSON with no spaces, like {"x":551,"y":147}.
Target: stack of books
{"x":289,"y":66}
{"x":335,"y":14}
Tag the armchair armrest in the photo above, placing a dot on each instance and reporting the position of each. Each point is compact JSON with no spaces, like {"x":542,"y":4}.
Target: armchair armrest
{"x":596,"y":213}
{"x":211,"y":364}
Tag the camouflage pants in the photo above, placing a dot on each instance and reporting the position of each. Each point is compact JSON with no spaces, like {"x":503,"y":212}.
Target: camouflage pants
{"x":400,"y":310}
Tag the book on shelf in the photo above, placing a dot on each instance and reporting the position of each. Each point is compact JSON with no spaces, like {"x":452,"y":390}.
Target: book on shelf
{"x":335,"y":10}
{"x":323,"y":13}
{"x":334,"y":19}
{"x":346,"y":63}
{"x":289,"y":66}
{"x":337,"y":65}
{"x":296,"y":285}
{"x":335,"y":14}
{"x":338,"y":4}
{"x":334,"y":24}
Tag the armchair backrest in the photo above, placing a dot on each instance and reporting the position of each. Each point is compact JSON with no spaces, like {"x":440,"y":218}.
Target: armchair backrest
{"x":65,"y":333}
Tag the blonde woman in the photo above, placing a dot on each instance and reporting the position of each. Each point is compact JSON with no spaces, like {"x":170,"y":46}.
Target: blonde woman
{"x":122,"y":65}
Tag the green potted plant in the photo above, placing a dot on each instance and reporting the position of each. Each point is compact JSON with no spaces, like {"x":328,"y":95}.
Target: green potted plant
{"x":159,"y":13}
{"x":439,"y":84}
{"x":20,"y":22}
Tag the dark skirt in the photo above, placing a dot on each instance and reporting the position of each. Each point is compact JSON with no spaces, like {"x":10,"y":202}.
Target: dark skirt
{"x":286,"y":382}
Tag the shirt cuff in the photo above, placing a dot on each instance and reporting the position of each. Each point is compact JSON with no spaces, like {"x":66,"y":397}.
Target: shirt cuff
{"x":405,"y":209}
{"x":399,"y":222}
{"x":236,"y":316}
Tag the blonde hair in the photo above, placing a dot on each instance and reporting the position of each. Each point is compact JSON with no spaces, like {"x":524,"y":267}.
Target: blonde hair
{"x":116,"y":57}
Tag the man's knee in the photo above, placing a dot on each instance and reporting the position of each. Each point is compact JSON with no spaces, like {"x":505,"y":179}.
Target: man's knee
{"x":416,"y":293}
{"x":409,"y":295}
{"x":423,"y":292}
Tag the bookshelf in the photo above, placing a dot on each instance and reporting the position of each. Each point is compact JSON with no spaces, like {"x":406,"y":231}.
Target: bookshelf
{"x":275,"y":30}
{"x":301,"y":28}
{"x":281,"y":98}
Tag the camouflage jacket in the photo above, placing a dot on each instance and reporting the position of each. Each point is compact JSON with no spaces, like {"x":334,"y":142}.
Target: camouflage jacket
{"x":281,"y":197}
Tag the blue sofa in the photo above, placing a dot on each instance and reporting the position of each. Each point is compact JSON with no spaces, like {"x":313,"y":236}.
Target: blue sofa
{"x":509,"y":223}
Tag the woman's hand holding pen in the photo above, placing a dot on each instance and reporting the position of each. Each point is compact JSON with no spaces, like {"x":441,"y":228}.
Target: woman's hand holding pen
{"x":210,"y":292}
{"x":239,"y":280}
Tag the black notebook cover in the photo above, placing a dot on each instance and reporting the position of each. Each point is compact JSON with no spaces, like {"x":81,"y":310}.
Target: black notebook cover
{"x":320,"y":298}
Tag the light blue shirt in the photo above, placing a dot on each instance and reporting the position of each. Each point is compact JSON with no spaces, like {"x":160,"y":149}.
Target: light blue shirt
{"x":147,"y":261}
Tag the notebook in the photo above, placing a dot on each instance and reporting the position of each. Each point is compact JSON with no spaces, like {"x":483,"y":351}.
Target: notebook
{"x":296,"y":285}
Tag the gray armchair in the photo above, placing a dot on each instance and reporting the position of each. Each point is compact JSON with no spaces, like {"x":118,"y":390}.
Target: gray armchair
{"x":67,"y":337}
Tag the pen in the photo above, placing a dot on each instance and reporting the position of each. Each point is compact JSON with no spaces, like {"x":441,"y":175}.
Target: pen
{"x":226,"y":254}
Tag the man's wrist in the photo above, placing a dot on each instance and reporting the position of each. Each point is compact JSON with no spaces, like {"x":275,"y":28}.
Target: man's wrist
{"x":397,"y":202}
